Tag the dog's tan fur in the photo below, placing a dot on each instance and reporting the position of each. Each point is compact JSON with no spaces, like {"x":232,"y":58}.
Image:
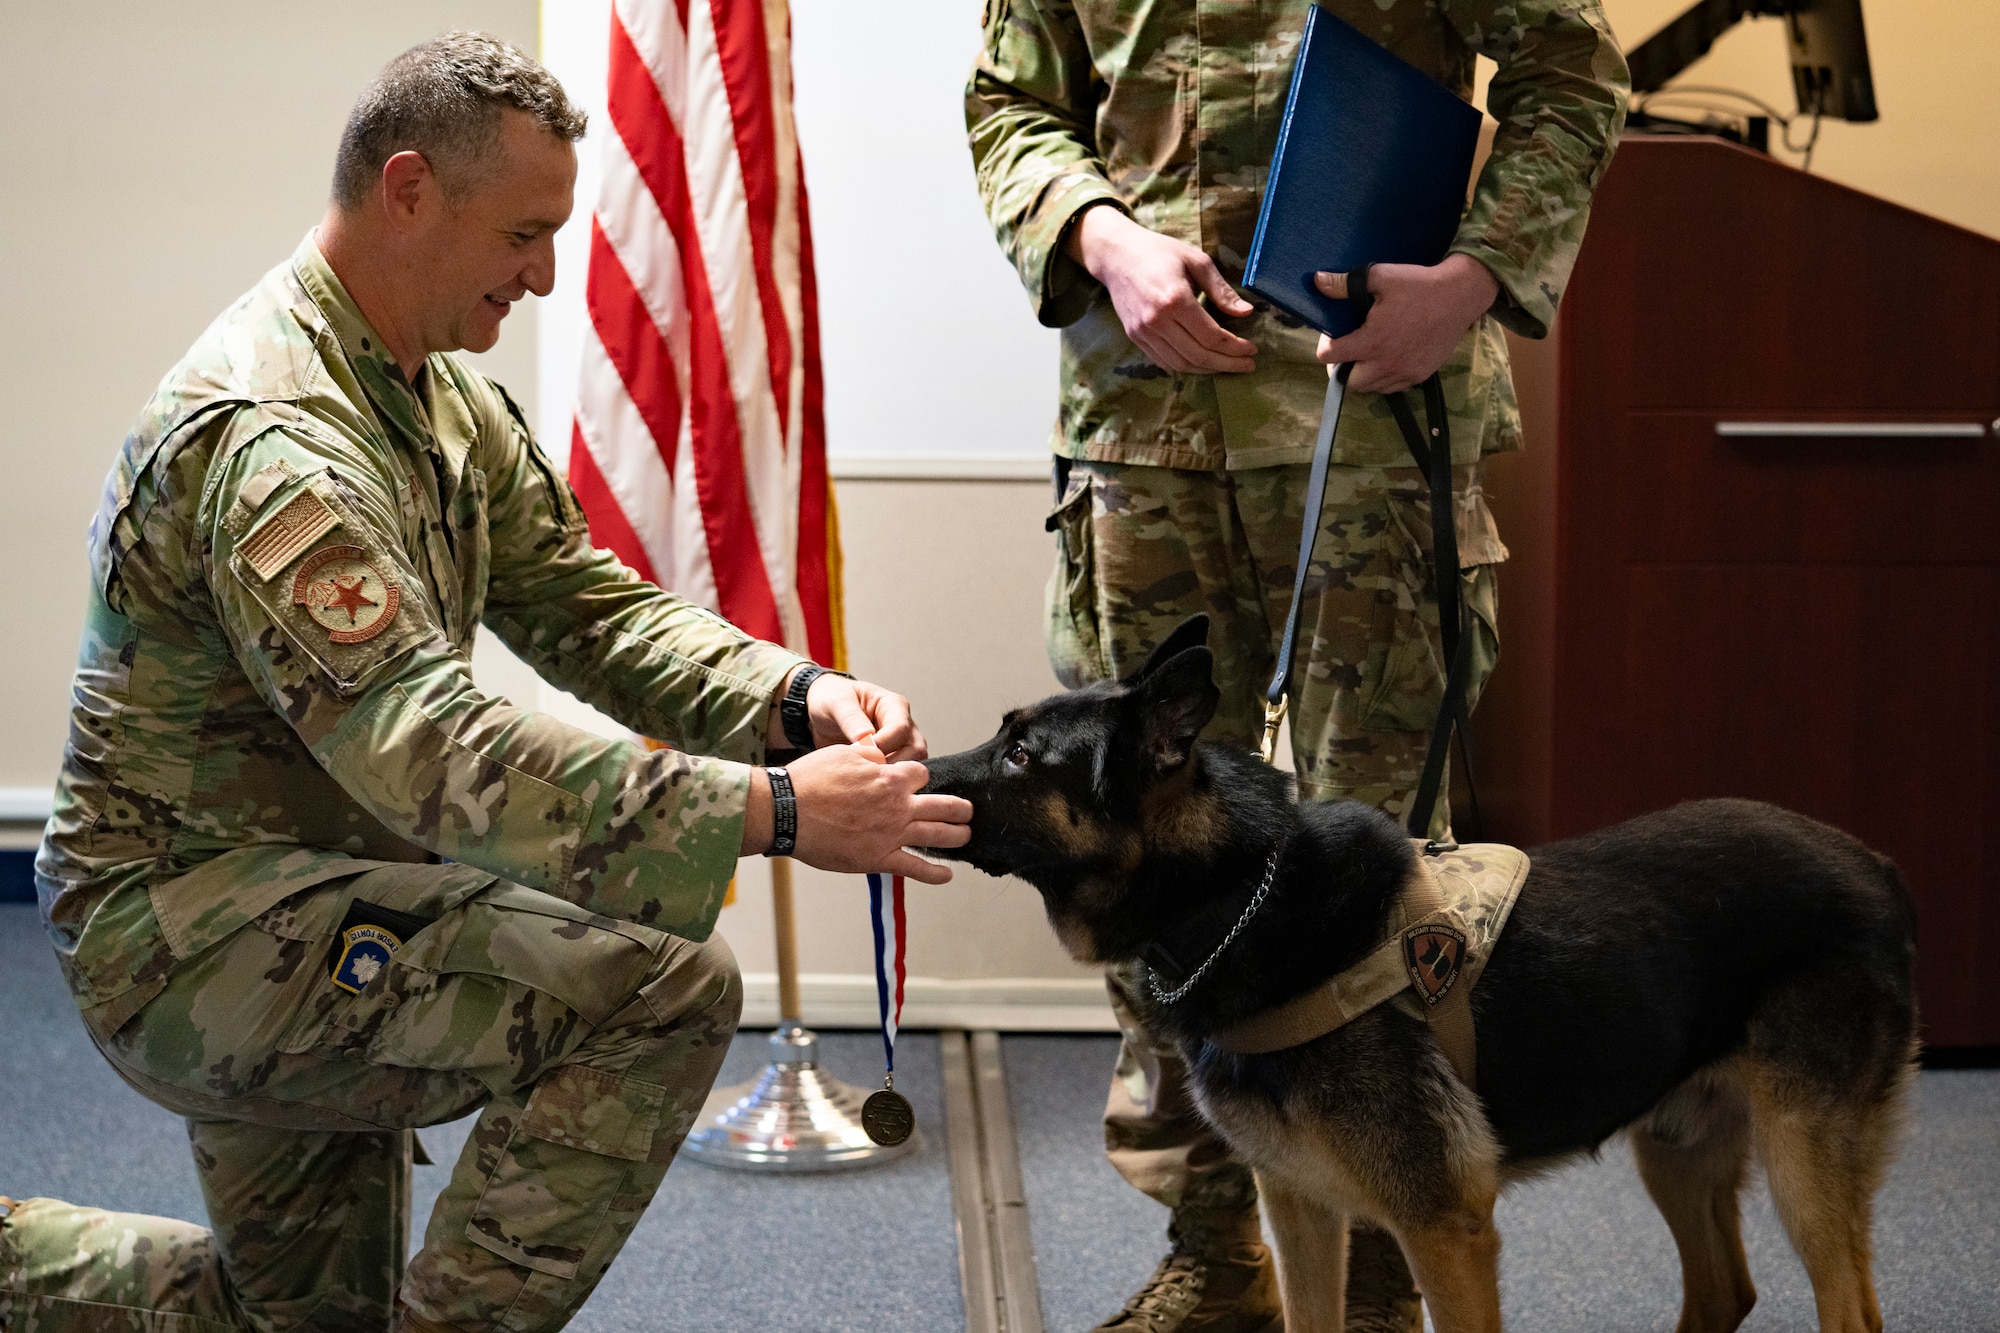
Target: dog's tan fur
{"x":1824,"y":1154}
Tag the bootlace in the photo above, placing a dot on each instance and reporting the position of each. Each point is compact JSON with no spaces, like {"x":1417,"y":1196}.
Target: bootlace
{"x":1175,"y":1286}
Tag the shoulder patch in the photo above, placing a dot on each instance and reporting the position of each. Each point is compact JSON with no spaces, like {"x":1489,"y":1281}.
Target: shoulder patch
{"x":344,"y":593}
{"x":286,"y":535}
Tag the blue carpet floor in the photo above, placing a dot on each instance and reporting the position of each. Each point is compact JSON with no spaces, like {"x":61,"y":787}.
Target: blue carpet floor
{"x":719,"y":1251}
{"x":1584,"y":1249}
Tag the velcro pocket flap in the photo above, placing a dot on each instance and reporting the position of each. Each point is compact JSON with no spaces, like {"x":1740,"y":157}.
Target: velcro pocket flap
{"x":608,"y":1114}
{"x":219,"y":897}
{"x":592,"y":964}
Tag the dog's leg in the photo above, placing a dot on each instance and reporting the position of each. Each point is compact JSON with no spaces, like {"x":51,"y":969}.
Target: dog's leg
{"x":1692,"y":1151}
{"x":1312,"y":1257}
{"x":1825,"y":1153}
{"x":1456,"y":1260}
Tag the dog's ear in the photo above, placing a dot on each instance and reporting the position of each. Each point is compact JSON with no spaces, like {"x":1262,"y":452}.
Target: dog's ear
{"x":1176,"y":698}
{"x":1190,"y":633}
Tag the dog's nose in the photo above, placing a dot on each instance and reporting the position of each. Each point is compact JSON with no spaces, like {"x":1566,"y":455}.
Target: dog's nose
{"x":945,"y":772}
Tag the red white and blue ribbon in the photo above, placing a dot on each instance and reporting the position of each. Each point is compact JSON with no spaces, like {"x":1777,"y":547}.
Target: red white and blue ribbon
{"x":885,"y":904}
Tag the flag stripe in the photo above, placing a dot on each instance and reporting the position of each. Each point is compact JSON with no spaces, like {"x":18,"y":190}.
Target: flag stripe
{"x":700,"y":402}
{"x":635,"y":475}
{"x":634,"y":344}
{"x":746,"y":76}
{"x":816,"y":567}
{"x":721,"y":217}
{"x":608,"y":526}
{"x":741,"y":578}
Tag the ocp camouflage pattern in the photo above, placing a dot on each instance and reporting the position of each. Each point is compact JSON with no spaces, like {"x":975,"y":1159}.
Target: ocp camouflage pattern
{"x":214,"y":719}
{"x":1143,"y":548}
{"x":586,"y":1043}
{"x":1169,"y":110}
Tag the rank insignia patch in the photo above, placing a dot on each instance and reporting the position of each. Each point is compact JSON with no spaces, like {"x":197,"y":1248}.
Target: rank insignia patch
{"x":346,"y":595}
{"x":1434,"y":954}
{"x":364,"y":951}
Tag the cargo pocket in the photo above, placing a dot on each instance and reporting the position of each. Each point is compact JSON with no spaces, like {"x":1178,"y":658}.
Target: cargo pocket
{"x":611,"y":1118}
{"x":1075,"y":647}
{"x":1409,"y":687}
{"x":607,"y":1114}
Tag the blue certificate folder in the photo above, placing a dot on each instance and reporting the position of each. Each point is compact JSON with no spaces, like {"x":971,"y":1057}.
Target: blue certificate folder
{"x":1371,"y":168}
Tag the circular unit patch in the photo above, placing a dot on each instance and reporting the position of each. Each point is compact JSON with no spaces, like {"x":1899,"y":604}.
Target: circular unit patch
{"x":345,"y":595}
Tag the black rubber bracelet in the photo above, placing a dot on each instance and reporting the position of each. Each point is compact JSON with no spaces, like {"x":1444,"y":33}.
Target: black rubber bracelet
{"x":792,"y":713}
{"x":784,"y":813}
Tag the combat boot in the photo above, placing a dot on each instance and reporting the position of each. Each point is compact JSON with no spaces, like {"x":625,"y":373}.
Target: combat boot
{"x":1218,"y":1278}
{"x":1381,"y":1295}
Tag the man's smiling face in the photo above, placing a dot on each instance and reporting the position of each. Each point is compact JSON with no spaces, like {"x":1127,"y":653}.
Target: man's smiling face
{"x":487,"y":249}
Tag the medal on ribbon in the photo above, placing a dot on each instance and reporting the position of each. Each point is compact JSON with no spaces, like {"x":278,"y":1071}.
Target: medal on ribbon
{"x":886,"y":1116}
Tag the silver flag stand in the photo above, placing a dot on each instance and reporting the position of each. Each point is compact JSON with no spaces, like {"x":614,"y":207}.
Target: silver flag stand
{"x":793,"y":1117}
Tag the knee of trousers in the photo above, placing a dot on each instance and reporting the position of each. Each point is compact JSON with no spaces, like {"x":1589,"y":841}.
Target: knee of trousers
{"x":696,"y":983}
{"x":630,"y":1088}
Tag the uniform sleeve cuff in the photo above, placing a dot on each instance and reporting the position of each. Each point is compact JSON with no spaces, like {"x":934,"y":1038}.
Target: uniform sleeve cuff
{"x":1524,"y":305}
{"x":1064,"y":287}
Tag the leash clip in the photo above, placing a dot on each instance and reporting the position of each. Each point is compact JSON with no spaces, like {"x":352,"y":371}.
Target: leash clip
{"x":1274,"y":714}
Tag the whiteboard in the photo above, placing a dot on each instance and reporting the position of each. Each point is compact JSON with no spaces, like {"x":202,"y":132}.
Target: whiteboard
{"x":931,"y":350}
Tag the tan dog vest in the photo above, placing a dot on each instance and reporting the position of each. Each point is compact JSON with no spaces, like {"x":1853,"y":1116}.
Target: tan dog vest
{"x":1436,"y":938}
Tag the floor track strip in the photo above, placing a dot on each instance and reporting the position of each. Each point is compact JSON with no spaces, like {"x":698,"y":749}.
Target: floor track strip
{"x":996,"y":1256}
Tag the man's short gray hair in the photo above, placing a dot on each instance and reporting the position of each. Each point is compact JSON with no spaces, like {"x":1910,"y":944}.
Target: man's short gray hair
{"x":444,"y":99}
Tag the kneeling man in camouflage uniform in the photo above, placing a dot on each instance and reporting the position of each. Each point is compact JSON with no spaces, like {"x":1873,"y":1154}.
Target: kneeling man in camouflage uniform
{"x":313,"y":888}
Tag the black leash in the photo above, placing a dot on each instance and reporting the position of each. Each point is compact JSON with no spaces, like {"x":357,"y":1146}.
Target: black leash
{"x":1433,"y":456}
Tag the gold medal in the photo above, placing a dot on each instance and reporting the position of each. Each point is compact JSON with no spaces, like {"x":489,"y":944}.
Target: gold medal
{"x":887,"y":1118}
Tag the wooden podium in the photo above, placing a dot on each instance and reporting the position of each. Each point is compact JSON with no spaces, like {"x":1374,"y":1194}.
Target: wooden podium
{"x":1756,"y":536}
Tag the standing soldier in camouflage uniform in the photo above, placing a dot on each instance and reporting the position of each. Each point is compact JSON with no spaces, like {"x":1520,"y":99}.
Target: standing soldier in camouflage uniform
{"x":276,"y":743}
{"x":1121,"y":149}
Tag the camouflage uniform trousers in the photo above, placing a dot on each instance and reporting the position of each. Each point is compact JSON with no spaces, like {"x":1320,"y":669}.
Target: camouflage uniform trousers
{"x":589,"y":1042}
{"x":1141,"y":549}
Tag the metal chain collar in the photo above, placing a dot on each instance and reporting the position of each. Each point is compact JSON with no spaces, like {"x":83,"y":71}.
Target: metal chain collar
{"x":1256,"y":901}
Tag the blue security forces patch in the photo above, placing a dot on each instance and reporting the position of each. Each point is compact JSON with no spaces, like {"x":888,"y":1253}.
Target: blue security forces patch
{"x":364,"y":951}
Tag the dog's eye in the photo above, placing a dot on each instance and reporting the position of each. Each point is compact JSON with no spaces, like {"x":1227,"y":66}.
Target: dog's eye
{"x":1017,"y":755}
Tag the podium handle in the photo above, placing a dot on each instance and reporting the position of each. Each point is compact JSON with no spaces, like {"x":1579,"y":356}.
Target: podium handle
{"x":1851,"y":430}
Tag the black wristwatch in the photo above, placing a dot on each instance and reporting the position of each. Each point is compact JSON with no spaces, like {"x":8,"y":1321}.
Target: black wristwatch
{"x":792,"y":712}
{"x":784,"y":813}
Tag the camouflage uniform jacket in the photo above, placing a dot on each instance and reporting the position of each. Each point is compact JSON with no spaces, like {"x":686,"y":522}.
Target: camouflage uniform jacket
{"x":1169,"y":110}
{"x":288,"y":566}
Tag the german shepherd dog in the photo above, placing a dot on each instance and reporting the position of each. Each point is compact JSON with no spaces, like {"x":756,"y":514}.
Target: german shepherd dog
{"x":1710,"y":979}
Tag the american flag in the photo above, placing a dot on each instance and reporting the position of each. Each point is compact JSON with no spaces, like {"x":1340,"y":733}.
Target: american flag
{"x":699,"y":445}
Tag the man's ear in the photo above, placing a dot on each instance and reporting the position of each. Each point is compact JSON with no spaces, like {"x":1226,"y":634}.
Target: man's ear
{"x":1176,"y":699}
{"x":1190,"y":633}
{"x":407,"y":182}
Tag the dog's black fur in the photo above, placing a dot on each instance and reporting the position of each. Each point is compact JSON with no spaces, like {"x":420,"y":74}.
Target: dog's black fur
{"x":1723,"y":954}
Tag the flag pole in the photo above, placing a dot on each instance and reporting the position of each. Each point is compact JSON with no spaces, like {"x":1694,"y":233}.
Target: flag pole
{"x":786,"y":928}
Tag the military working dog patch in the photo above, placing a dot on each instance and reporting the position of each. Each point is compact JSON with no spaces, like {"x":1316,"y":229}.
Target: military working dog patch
{"x":1434,"y":954}
{"x":346,"y":595}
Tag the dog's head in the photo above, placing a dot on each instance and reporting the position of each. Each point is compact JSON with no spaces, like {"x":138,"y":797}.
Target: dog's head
{"x":1075,"y":793}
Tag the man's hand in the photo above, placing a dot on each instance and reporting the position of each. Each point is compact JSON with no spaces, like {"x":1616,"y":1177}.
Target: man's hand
{"x":1419,"y":315}
{"x":1155,"y":284}
{"x":856,"y":711}
{"x":857,"y":812}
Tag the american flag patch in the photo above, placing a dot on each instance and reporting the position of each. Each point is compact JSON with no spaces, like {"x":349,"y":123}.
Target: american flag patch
{"x":285,"y":535}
